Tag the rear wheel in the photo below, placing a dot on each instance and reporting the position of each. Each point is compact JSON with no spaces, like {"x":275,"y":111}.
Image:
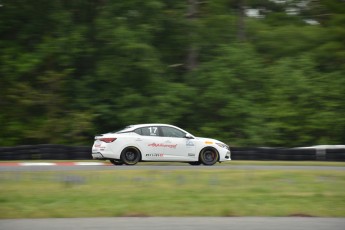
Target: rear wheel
{"x":130,"y":156}
{"x":116,"y":162}
{"x":209,"y":156}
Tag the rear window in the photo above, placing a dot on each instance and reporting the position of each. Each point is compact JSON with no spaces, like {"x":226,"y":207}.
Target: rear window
{"x":148,"y":131}
{"x":138,"y":131}
{"x":124,"y":130}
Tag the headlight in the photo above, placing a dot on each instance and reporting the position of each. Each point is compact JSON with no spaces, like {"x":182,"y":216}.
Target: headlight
{"x":223,"y":145}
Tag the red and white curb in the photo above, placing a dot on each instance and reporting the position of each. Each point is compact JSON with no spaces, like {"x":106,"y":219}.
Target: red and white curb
{"x":53,"y":163}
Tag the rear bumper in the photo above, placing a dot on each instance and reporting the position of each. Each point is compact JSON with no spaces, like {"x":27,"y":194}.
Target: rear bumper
{"x":97,"y":155}
{"x":104,"y":153}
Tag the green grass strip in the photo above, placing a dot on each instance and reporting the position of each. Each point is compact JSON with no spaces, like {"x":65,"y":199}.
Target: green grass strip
{"x":233,"y":162}
{"x":223,"y":192}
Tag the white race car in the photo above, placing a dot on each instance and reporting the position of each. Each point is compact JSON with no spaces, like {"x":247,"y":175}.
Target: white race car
{"x":158,"y":142}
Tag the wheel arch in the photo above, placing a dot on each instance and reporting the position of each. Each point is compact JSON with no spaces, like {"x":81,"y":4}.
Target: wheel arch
{"x":209,"y":148}
{"x":132,"y":147}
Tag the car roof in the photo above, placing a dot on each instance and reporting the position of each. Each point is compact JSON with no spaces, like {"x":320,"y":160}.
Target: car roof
{"x":132,"y":127}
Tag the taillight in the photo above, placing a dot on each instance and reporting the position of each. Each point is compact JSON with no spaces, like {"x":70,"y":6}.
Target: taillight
{"x":107,"y":139}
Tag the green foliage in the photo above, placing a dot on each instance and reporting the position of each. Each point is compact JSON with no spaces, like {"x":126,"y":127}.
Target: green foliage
{"x":230,"y":89}
{"x":70,"y":69}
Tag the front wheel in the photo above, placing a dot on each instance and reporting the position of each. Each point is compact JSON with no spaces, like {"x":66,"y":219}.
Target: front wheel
{"x":130,"y":156}
{"x":195,"y":163}
{"x":209,"y":156}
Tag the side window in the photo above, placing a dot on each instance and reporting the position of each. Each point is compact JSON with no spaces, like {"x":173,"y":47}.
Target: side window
{"x":172,"y":132}
{"x":138,"y":131}
{"x":150,"y":131}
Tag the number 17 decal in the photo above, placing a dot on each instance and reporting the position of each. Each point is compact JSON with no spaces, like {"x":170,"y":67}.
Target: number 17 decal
{"x":153,"y":131}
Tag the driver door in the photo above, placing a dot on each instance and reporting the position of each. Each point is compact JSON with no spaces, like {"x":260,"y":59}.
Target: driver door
{"x":176,"y":145}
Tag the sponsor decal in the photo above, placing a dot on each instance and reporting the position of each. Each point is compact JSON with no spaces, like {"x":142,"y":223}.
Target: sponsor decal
{"x":163,"y":145}
{"x":155,"y":155}
{"x":208,"y":142}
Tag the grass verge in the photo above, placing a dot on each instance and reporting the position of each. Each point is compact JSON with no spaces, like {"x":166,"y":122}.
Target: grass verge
{"x":223,"y":192}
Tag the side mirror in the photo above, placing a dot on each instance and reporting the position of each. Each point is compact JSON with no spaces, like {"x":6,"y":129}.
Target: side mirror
{"x":189,"y":136}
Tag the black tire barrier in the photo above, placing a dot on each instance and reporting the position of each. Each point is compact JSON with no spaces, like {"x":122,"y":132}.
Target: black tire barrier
{"x":291,"y":154}
{"x":287,"y":154}
{"x":65,"y":152}
{"x":335,"y":154}
{"x":45,"y":152}
{"x":246,"y":153}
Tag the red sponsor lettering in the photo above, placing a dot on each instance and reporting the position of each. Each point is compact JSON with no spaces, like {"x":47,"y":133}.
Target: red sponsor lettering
{"x":172,"y":146}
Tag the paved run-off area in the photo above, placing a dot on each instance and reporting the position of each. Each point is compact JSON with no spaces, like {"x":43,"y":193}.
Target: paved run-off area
{"x":173,"y":223}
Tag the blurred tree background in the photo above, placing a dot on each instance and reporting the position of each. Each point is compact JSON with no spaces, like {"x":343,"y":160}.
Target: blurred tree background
{"x":248,"y":72}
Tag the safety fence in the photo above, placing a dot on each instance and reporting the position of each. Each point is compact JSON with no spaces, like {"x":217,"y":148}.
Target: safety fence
{"x":64,"y":152}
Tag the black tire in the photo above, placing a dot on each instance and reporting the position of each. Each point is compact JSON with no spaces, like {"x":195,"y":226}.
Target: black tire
{"x":195,"y":163}
{"x":130,"y":156}
{"x":116,"y":162}
{"x":209,"y":156}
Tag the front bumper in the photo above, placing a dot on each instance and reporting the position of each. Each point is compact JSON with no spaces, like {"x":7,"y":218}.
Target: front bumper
{"x":226,"y":156}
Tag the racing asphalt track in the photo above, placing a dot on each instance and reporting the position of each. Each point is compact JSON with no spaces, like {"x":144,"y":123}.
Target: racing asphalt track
{"x":90,"y":167}
{"x":170,"y":223}
{"x":173,"y":223}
